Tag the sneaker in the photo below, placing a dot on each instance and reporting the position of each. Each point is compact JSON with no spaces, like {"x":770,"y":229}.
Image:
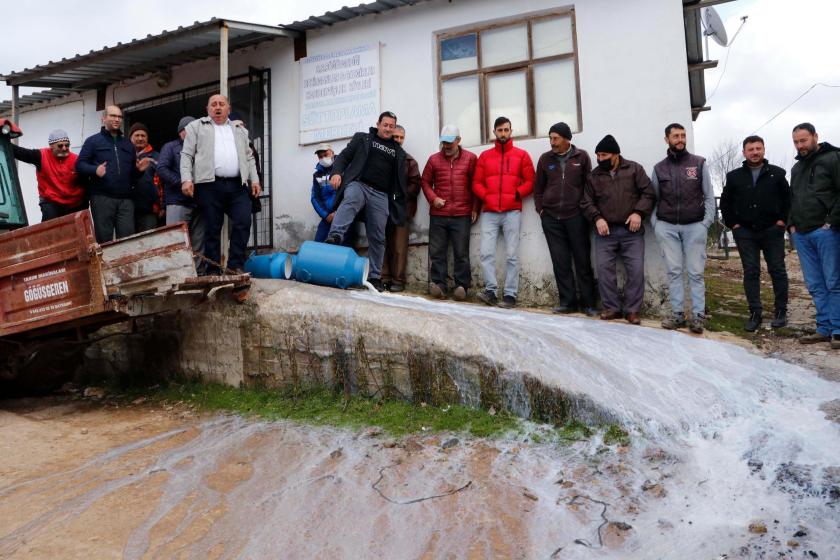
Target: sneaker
{"x":488,"y":297}
{"x":333,"y":239}
{"x":386,"y":285}
{"x":436,"y":291}
{"x":779,"y":319}
{"x":754,"y":322}
{"x":697,"y":324}
{"x":674,"y":322}
{"x":563,"y":309}
{"x":376,"y":283}
{"x":396,"y":287}
{"x":460,"y":293}
{"x":814,"y":338}
{"x":835,"y":342}
{"x":590,"y":311}
{"x":508,"y":302}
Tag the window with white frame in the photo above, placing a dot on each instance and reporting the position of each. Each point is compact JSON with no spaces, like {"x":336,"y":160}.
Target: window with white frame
{"x":524,"y":69}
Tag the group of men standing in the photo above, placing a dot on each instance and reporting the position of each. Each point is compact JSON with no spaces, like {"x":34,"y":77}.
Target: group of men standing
{"x":208,"y":172}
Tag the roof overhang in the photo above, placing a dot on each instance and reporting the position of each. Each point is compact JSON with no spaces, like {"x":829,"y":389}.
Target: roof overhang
{"x":697,"y":65}
{"x":124,"y":61}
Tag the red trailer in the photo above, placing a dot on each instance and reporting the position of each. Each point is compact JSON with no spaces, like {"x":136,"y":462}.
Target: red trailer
{"x":57,"y":285}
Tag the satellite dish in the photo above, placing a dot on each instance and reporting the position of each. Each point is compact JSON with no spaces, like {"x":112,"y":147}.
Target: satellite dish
{"x":714,"y":27}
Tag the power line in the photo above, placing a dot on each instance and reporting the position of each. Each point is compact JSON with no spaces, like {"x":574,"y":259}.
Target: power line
{"x":789,"y":105}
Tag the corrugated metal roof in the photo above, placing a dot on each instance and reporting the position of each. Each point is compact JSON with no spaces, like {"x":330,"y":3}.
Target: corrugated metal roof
{"x":136,"y":58}
{"x":347,"y":13}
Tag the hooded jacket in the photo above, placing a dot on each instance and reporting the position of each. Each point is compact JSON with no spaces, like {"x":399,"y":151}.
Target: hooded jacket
{"x":815,"y":189}
{"x":350,"y":164}
{"x":504,"y":175}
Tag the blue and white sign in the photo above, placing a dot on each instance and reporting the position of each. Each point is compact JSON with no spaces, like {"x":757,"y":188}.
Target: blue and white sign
{"x":339,"y":93}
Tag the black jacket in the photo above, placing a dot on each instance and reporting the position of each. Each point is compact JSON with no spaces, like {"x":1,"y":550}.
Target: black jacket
{"x":815,"y":189}
{"x":145,"y":193}
{"x":350,"y":164}
{"x":755,"y":207}
{"x":120,"y":173}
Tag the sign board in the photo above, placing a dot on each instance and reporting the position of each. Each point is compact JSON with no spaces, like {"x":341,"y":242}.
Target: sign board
{"x":339,"y":93}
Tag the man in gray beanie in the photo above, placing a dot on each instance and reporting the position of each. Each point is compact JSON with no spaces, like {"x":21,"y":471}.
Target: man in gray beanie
{"x":60,"y":189}
{"x":179,"y":207}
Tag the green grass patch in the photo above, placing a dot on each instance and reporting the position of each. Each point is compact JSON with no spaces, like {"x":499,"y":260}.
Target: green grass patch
{"x":325,"y":407}
{"x":615,"y":435}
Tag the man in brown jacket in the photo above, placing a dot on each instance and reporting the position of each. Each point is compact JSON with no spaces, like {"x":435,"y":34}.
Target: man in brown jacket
{"x":617,"y":197}
{"x":396,"y":237}
{"x":558,"y":188}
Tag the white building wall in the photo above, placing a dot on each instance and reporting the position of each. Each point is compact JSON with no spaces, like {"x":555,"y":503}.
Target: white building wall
{"x":633,"y":81}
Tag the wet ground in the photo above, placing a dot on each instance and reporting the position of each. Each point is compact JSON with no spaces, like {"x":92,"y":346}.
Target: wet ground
{"x":82,"y":478}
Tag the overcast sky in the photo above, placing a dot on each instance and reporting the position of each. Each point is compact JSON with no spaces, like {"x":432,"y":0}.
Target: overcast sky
{"x":783,"y":49}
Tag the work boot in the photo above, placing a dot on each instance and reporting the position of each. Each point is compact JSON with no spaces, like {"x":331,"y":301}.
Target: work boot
{"x":814,"y":338}
{"x":835,"y":342}
{"x":376,"y":283}
{"x":507,"y":302}
{"x":333,"y":239}
{"x":436,"y":291}
{"x":460,"y":293}
{"x":779,"y":319}
{"x":633,"y":318}
{"x":396,"y":287}
{"x":610,"y":314}
{"x":697,"y":324}
{"x":563,"y":309}
{"x":754,"y":321}
{"x":488,"y":297}
{"x":673,"y":322}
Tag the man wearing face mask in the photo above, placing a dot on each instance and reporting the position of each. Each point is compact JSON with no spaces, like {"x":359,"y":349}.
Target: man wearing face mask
{"x":60,"y":189}
{"x":685,"y":209}
{"x":618,"y":195}
{"x":755,"y":204}
{"x":323,"y":195}
{"x":504,"y":176}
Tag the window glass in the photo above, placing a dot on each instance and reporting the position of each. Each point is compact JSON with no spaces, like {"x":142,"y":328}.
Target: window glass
{"x":458,"y":54}
{"x":552,"y":37}
{"x":507,"y":95}
{"x":555,"y":95}
{"x":505,"y":45}
{"x":461,"y":108}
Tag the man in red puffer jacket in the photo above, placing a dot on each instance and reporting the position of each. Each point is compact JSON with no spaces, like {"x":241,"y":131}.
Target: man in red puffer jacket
{"x":447,"y":185}
{"x":504,"y":175}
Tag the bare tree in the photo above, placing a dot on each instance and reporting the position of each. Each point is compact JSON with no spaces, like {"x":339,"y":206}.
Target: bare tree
{"x":726,"y":157}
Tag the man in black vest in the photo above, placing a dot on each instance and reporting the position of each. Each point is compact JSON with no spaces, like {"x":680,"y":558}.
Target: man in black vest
{"x":369,"y":174}
{"x":755,"y":204}
{"x":685,"y":209}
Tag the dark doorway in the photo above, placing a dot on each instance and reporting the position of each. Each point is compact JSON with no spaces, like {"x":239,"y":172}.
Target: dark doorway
{"x":250,"y":98}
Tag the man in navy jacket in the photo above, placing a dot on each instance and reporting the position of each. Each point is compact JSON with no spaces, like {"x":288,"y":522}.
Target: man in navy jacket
{"x":108,"y":161}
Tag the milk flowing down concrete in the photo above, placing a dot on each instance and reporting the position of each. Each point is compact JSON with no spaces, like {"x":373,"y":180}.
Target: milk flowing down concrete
{"x":720,"y":438}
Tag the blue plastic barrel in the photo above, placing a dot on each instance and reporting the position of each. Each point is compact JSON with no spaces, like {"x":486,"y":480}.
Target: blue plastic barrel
{"x":274,"y":265}
{"x":330,"y":265}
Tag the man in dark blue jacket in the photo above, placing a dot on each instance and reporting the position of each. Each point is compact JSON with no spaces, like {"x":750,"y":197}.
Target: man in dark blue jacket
{"x":179,"y":207}
{"x":323,"y":195}
{"x":148,"y":205}
{"x":755,"y":205}
{"x":108,"y":161}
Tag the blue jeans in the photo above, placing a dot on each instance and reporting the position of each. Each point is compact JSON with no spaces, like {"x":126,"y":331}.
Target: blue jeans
{"x":684,"y":248}
{"x":509,"y":223}
{"x":819,"y":256}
